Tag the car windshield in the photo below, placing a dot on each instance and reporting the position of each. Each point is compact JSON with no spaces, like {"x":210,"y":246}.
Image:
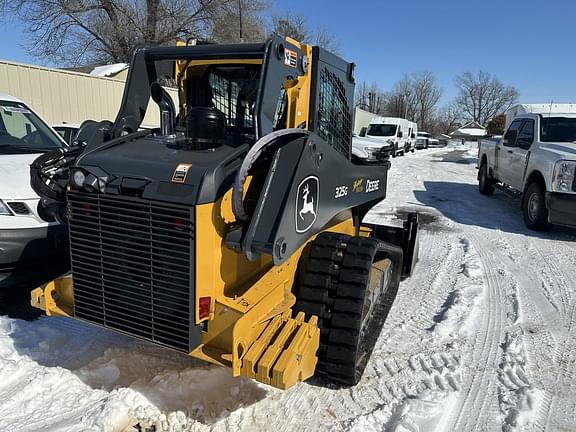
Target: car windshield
{"x":558,"y":129}
{"x":382,"y":130}
{"x":21,"y":131}
{"x":423,"y":135}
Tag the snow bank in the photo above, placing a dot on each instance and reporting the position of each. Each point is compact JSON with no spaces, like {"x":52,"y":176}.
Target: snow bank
{"x":106,"y":389}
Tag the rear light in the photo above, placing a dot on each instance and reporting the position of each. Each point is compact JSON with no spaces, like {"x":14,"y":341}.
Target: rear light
{"x":204,"y":307}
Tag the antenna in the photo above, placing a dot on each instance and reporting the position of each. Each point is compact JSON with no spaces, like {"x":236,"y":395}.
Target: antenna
{"x":546,"y":120}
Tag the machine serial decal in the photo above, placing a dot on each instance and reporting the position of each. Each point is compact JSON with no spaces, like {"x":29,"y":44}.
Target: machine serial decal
{"x":341,"y":191}
{"x":290,"y":58}
{"x":372,"y":185}
{"x":307,"y":203}
{"x":181,"y":172}
{"x":357,"y":186}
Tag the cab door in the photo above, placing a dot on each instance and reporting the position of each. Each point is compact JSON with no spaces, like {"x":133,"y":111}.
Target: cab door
{"x":518,"y":160}
{"x":504,"y":153}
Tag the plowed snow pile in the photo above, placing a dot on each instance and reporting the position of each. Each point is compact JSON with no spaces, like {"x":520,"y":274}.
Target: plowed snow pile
{"x":481,"y":338}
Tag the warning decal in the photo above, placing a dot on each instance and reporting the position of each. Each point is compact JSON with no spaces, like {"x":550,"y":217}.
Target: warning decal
{"x":290,"y":58}
{"x":181,"y":172}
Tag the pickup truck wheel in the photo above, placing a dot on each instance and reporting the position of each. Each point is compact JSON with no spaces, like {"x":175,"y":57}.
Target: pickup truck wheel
{"x":485,"y":183}
{"x":534,"y":208}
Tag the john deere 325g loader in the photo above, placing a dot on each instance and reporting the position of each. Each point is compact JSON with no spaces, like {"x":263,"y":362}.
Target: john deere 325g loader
{"x":234,"y":231}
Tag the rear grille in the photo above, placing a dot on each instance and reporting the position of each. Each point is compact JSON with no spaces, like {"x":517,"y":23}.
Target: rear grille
{"x":19,"y":208}
{"x":132,"y":266}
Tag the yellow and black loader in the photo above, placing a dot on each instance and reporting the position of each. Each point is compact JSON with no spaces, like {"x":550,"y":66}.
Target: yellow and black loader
{"x":233,"y":232}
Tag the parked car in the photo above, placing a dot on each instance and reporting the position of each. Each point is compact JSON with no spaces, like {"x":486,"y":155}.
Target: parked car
{"x":67,"y":131}
{"x":535,"y":159}
{"x":30,"y":247}
{"x":422,"y":140}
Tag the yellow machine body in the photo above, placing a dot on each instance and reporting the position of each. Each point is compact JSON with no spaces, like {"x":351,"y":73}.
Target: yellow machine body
{"x":250,"y":327}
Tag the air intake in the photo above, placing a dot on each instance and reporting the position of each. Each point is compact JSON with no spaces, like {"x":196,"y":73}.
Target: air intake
{"x":132,"y":266}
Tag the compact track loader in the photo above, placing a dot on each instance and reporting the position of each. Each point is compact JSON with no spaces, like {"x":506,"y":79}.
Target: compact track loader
{"x":234,"y":231}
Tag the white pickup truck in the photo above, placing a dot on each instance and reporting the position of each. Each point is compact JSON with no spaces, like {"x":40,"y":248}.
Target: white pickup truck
{"x":366,"y":151}
{"x":536,"y":158}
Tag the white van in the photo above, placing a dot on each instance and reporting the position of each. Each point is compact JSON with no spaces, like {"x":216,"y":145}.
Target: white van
{"x":394,"y":134}
{"x":29,"y":245}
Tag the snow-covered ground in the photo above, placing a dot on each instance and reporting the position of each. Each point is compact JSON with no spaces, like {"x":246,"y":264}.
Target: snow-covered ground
{"x":481,"y":338}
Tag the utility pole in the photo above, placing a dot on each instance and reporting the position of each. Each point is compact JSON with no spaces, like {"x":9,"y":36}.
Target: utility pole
{"x":405,"y":107}
{"x":240,"y":18}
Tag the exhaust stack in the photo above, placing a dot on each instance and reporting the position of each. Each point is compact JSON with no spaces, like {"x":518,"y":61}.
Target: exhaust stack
{"x":167,"y":109}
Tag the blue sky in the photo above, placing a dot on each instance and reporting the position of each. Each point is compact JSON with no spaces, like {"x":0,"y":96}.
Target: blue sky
{"x":529,"y":44}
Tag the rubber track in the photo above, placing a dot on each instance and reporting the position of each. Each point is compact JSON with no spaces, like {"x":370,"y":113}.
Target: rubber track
{"x":333,"y":287}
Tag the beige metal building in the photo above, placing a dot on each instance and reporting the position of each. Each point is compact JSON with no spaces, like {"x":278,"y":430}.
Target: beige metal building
{"x":362,"y":119}
{"x":66,"y":96}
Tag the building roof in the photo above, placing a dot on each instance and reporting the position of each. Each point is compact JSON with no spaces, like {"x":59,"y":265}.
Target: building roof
{"x":472,"y":128}
{"x":81,"y":69}
{"x":542,"y":108}
{"x":109,"y":70}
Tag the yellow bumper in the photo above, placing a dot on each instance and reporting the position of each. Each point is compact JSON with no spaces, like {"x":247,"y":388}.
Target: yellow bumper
{"x":284,"y":353}
{"x":55,"y":298}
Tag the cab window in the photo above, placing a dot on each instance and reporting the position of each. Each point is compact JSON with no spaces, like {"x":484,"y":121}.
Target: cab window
{"x":511,"y":133}
{"x":526,"y":134}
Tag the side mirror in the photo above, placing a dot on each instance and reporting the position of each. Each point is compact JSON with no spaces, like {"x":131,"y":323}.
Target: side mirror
{"x":363,"y":131}
{"x":510,"y":138}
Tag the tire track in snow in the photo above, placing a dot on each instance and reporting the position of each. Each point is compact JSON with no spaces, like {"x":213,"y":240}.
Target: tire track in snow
{"x":563,"y":402}
{"x":540,"y":313}
{"x":440,"y":256}
{"x":470,"y":409}
{"x":556,"y":276}
{"x":546,"y":324}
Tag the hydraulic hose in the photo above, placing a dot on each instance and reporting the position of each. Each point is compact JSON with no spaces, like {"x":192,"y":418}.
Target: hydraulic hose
{"x":251,"y":157}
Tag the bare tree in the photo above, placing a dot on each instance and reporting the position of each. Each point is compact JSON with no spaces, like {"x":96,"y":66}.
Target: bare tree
{"x":370,"y":98}
{"x":427,"y":94}
{"x":415,"y":97}
{"x":297,"y":27}
{"x":448,"y":119}
{"x":402,"y":99}
{"x":99,"y":31}
{"x":482,"y":96}
{"x":237,"y":21}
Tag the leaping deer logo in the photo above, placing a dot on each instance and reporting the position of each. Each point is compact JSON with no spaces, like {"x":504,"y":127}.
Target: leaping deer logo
{"x":307,"y":206}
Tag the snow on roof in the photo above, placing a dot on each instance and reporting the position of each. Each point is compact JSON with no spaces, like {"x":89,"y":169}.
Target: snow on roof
{"x":470,"y":131}
{"x":542,"y":108}
{"x":108,"y":70}
{"x":472,"y":128}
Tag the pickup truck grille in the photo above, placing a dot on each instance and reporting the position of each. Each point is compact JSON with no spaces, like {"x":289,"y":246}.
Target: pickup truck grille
{"x":132,"y":266}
